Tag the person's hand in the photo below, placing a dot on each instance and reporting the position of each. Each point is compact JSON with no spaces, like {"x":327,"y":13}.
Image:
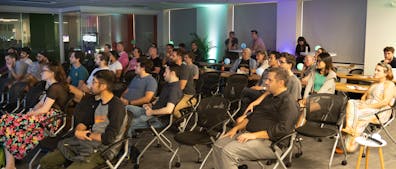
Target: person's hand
{"x":249,"y":109}
{"x":82,"y":135}
{"x":148,"y":109}
{"x":256,"y":88}
{"x":32,"y":113}
{"x":230,"y":133}
{"x":9,"y":66}
{"x":243,"y":138}
{"x":124,"y":101}
{"x":302,"y":102}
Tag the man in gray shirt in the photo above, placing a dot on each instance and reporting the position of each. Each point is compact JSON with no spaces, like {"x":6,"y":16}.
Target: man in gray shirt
{"x":143,"y":87}
{"x":287,"y":62}
{"x":16,"y":71}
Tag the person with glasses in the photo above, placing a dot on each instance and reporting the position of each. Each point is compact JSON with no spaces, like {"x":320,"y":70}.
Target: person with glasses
{"x":322,"y":79}
{"x":20,"y":133}
{"x":287,"y":62}
{"x":359,"y":113}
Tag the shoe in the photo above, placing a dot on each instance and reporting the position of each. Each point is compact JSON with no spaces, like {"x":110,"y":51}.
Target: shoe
{"x":339,"y":150}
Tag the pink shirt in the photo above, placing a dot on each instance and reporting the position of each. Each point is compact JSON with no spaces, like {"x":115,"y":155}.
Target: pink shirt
{"x":123,"y":59}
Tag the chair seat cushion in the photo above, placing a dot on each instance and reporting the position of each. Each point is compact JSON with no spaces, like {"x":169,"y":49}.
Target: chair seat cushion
{"x":193,"y":138}
{"x":315,"y":131}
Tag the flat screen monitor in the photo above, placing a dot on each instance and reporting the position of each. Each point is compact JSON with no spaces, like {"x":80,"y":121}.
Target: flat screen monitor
{"x":66,"y":38}
{"x":89,"y":38}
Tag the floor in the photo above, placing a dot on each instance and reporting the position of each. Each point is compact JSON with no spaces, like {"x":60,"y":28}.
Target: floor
{"x":315,"y":155}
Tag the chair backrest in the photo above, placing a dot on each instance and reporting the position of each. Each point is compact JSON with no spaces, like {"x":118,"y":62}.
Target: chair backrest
{"x":326,"y":108}
{"x":208,"y":83}
{"x":33,"y":95}
{"x":356,"y":71}
{"x":213,"y":111}
{"x":234,"y":86}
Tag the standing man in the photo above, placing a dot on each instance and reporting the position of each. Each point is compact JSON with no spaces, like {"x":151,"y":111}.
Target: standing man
{"x":231,"y":44}
{"x":123,"y":59}
{"x":272,"y":119}
{"x":388,"y":56}
{"x":78,"y":74}
{"x":257,"y":43}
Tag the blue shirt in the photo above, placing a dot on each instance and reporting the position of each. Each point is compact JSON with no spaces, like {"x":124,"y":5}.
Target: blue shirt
{"x":139,"y":86}
{"x":77,"y":74}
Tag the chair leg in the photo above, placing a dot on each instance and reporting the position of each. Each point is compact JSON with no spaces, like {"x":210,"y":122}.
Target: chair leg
{"x":199,"y":154}
{"x":333,"y":150}
{"x":173,"y":157}
{"x":145,"y":149}
{"x":343,"y":147}
{"x":389,"y":135}
{"x":206,"y":158}
{"x":34,"y":158}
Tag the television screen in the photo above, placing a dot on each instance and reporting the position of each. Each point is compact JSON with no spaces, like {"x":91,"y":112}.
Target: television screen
{"x":89,"y":38}
{"x":66,"y":38}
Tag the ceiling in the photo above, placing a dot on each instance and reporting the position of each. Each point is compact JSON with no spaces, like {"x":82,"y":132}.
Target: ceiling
{"x":144,"y":4}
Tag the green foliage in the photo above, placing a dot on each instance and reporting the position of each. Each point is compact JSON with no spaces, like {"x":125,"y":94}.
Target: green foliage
{"x":203,"y":44}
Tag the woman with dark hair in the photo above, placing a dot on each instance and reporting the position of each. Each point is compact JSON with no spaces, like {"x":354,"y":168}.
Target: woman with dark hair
{"x":322,"y":79}
{"x":302,"y":46}
{"x":359,"y":113}
{"x":114,"y":64}
{"x":137,"y":53}
{"x":20,"y":133}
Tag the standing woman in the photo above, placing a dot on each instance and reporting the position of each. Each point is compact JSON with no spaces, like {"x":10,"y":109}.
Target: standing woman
{"x":302,"y":46}
{"x":321,"y":80}
{"x":359,"y":113}
{"x":20,"y":133}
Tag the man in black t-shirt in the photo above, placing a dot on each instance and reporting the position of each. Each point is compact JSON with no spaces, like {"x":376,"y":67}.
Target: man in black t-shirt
{"x":272,"y":119}
{"x":388,"y":56}
{"x":169,"y":97}
{"x":157,"y":62}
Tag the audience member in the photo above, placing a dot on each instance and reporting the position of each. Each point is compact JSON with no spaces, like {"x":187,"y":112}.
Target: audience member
{"x":101,"y":124}
{"x":389,"y":58}
{"x":321,"y":80}
{"x":78,"y":74}
{"x":231,"y":43}
{"x":262,"y":62}
{"x":168,"y":54}
{"x":25,"y":56}
{"x":359,"y":113}
{"x":107,"y":48}
{"x":189,"y":60}
{"x":182,"y":47}
{"x":272,"y":119}
{"x":317,"y":52}
{"x":142,"y":88}
{"x":309,"y":66}
{"x":114,"y":64}
{"x":123,"y":59}
{"x":154,"y":57}
{"x":102,"y":61}
{"x":302,"y":46}
{"x":186,"y":80}
{"x":168,"y":98}
{"x":34,"y":70}
{"x":287,"y":62}
{"x":16,"y":71}
{"x":257,"y":42}
{"x":246,"y":64}
{"x":197,"y":52}
{"x":137,"y":53}
{"x":20,"y":133}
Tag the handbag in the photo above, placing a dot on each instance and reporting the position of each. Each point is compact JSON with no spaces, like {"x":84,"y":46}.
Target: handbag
{"x":74,"y":149}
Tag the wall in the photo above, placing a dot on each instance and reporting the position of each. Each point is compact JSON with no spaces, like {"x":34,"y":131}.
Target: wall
{"x":338,"y":26}
{"x":183,"y":23}
{"x":286,"y":30}
{"x":42,"y":29}
{"x":144,"y":30}
{"x":261,"y":17}
{"x":380,"y":32}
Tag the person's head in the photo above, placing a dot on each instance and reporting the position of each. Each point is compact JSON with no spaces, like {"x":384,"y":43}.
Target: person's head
{"x":319,"y":51}
{"x":231,"y":34}
{"x":383,"y":70}
{"x":113,"y":55}
{"x":246,"y":54}
{"x":189,"y":57}
{"x":25,"y":52}
{"x":42,"y":57}
{"x":153,"y":52}
{"x":309,"y":61}
{"x":182,"y":46}
{"x":103,"y":81}
{"x":12,"y":50}
{"x":53,"y":71}
{"x":260,"y":56}
{"x":107,"y":48}
{"x":143,"y":66}
{"x":172,"y":73}
{"x":169,"y":48}
{"x":287,"y":61}
{"x":11,"y":59}
{"x":177,"y":56}
{"x":254,"y":34}
{"x":388,"y":53}
{"x":120,"y":46}
{"x":324,"y":62}
{"x":301,"y":41}
{"x":137,"y":52}
{"x":276,"y":80}
{"x":102,"y":59}
{"x":194,"y":46}
{"x":76,"y":56}
{"x":273,"y":59}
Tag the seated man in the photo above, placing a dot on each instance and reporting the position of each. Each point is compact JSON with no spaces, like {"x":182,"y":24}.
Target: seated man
{"x":170,"y":95}
{"x":102,"y":61}
{"x":246,"y":61}
{"x":142,"y":87}
{"x":287,"y":62}
{"x":108,"y":119}
{"x":388,"y":56}
{"x":272,"y":119}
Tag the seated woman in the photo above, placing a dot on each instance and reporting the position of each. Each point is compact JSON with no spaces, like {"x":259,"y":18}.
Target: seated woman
{"x":20,"y":133}
{"x":359,"y":113}
{"x":321,"y":80}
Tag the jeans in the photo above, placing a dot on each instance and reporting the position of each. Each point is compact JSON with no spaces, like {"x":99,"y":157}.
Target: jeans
{"x":139,"y":120}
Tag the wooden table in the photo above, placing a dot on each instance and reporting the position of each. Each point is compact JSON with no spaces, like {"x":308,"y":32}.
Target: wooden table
{"x":356,"y":77}
{"x":353,"y":88}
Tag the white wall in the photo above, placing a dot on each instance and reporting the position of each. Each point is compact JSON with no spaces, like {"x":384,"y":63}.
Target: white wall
{"x":380,"y":31}
{"x":286,"y":21}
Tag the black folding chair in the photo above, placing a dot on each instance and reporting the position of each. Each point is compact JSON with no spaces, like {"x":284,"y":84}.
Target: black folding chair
{"x":209,"y":84}
{"x":233,"y":91}
{"x":325,"y":114}
{"x":381,"y":125}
